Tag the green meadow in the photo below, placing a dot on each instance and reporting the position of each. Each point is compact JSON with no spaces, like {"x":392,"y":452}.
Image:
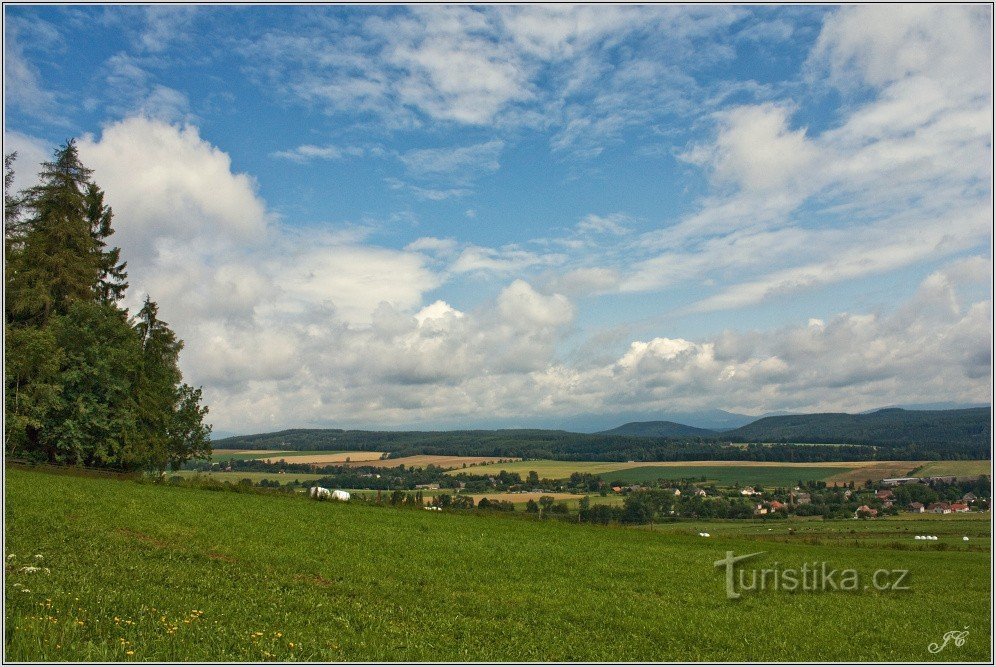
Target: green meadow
{"x":143,"y":572}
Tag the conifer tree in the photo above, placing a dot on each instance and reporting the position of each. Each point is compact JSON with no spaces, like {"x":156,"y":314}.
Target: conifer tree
{"x":85,"y":384}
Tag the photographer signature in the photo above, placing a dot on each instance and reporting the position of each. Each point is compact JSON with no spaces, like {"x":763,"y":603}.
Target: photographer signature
{"x":956,"y":636}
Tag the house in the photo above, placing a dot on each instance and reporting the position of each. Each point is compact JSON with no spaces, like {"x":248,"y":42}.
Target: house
{"x":959,"y":507}
{"x":865,"y":510}
{"x":749,"y":491}
{"x":883,"y":494}
{"x":800,"y":498}
{"x":760,"y":509}
{"x":677,"y":492}
{"x":700,"y":493}
{"x":848,"y":494}
{"x":969,"y":498}
{"x":427,"y":486}
{"x":775,"y":505}
{"x":617,"y":489}
{"x":915,"y":507}
{"x":939,"y":508}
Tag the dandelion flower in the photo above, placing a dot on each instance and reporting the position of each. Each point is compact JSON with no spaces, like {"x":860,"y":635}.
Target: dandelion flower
{"x":129,"y":653}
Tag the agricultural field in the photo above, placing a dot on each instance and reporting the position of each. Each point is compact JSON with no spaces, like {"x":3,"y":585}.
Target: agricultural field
{"x":522,"y":498}
{"x":219,"y":455}
{"x":143,"y":572}
{"x":325,"y":458}
{"x":445,"y":462}
{"x":746,"y":472}
{"x":957,"y":468}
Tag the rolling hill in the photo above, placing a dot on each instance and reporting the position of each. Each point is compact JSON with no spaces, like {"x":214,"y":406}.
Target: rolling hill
{"x":658,"y":429}
{"x":888,"y":426}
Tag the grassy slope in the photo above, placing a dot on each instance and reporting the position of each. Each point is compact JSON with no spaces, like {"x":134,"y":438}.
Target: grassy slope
{"x":349,"y":582}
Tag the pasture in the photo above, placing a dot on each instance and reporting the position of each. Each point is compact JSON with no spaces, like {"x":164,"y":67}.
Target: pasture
{"x":957,"y":468}
{"x":142,"y":572}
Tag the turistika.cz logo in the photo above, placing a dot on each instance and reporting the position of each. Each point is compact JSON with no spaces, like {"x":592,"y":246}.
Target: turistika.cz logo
{"x":815,"y":577}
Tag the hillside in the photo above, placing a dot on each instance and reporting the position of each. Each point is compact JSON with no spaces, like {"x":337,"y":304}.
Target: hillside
{"x":885,"y":434}
{"x":658,"y":429}
{"x":891,"y":426}
{"x":162,"y":573}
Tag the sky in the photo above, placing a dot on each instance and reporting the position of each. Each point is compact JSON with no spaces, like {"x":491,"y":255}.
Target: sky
{"x":415,"y":217}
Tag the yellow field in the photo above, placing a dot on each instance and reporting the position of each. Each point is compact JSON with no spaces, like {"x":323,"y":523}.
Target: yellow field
{"x":331,"y":457}
{"x":518,"y":498}
{"x":423,"y":460}
{"x":223,"y":452}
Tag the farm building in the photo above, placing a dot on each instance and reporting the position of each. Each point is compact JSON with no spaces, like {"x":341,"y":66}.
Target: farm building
{"x":915,"y":507}
{"x":896,"y":481}
{"x":866,"y":511}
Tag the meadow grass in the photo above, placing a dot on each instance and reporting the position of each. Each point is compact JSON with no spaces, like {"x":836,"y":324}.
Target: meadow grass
{"x":166,"y":573}
{"x":957,"y":468}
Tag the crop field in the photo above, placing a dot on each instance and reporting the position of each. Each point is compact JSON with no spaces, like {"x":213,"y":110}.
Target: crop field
{"x":747,"y":472}
{"x":323,"y":457}
{"x":145,"y":572}
{"x":523,"y":498}
{"x":450,"y":462}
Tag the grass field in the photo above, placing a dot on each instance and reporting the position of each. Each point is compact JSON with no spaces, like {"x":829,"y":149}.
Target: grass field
{"x":958,"y":468}
{"x":160,"y":573}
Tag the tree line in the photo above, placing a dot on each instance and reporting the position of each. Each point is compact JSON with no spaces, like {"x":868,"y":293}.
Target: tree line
{"x":86,"y":383}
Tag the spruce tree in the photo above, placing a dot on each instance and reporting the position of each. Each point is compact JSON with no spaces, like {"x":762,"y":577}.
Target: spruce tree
{"x":84,"y":384}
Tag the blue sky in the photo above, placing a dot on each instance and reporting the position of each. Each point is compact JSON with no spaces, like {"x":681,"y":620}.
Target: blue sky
{"x":426,"y":217}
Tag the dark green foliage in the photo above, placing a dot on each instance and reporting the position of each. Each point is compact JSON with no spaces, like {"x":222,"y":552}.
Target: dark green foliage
{"x":658,"y":429}
{"x":85,"y":385}
{"x":965,"y":432}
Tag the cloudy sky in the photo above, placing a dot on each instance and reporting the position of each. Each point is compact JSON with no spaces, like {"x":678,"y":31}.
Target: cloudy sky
{"x":435,"y":217}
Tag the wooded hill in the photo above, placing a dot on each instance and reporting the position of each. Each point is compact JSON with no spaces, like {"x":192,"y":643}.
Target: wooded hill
{"x":885,"y":435}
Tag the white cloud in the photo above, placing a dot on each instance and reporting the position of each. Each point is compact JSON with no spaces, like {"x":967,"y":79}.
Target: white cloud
{"x":308,"y":152}
{"x":608,"y":224}
{"x":459,"y":163}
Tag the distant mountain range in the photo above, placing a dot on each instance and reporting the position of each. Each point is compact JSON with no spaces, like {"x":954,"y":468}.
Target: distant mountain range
{"x":889,"y":433}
